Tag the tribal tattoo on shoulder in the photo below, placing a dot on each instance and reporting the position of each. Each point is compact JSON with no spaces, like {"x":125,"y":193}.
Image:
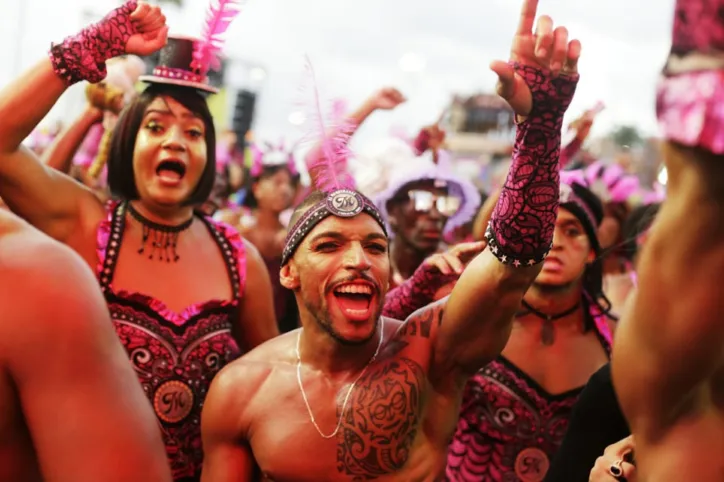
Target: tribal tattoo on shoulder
{"x":382,"y":420}
{"x":379,"y":428}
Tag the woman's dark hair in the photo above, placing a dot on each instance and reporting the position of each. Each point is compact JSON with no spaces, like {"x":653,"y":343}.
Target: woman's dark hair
{"x":267,"y":171}
{"x":123,"y":141}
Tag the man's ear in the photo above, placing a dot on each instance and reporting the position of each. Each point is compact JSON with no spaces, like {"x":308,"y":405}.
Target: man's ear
{"x":288,"y":276}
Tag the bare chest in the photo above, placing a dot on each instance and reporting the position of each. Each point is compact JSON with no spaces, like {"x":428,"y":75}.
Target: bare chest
{"x":199,"y":275}
{"x":381,"y":427}
{"x":565,"y":365}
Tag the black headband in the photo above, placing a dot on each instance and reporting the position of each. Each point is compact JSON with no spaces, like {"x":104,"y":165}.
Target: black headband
{"x":343,"y":203}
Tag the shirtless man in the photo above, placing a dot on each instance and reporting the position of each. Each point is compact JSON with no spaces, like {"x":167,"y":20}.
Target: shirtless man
{"x":71,"y":408}
{"x":355,"y":396}
{"x":668,"y":370}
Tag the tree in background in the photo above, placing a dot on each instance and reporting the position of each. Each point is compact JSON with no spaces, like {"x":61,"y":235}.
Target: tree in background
{"x":627,"y":136}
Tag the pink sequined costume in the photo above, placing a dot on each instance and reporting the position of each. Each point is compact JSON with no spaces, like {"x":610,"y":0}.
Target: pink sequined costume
{"x":510,"y":427}
{"x":175,"y":355}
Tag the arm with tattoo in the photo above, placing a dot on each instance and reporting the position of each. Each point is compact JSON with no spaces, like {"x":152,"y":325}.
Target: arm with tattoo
{"x":539,"y":86}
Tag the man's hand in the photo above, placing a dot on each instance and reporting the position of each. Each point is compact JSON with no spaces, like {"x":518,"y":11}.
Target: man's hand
{"x":456,"y":258}
{"x":613,"y":464}
{"x":152,"y":32}
{"x":546,"y":49}
{"x":430,"y":137}
{"x":386,"y":99}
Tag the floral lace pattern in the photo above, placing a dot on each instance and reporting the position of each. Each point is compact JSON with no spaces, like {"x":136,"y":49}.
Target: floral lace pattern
{"x":521,"y":227}
{"x":83,"y":56}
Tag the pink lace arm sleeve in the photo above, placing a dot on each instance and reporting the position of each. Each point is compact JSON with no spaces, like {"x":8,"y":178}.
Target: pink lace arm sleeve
{"x":520,"y":231}
{"x":415,"y":293}
{"x":83,"y":56}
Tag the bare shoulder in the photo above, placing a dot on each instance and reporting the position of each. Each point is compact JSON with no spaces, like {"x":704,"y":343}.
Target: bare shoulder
{"x":39,"y":274}
{"x":230,"y":404}
{"x":243,"y":378}
{"x":27,"y":255}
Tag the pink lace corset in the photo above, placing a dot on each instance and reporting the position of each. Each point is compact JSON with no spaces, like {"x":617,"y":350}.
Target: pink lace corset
{"x":509,"y":426}
{"x":175,"y":355}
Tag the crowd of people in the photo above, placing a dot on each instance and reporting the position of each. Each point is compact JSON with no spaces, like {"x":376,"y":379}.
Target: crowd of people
{"x":180,"y":305}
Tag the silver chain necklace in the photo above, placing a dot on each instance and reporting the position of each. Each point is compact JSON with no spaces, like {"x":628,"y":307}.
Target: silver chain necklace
{"x":349,"y":391}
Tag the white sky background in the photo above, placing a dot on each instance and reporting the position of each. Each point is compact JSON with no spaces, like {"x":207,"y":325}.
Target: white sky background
{"x":355,"y":47}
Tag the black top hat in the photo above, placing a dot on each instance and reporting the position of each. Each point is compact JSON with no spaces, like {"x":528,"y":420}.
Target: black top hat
{"x":174,"y":66}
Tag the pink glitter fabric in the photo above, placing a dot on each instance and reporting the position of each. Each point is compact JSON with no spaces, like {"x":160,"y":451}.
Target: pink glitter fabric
{"x":521,"y":226}
{"x":690,"y":109}
{"x":690,"y":96}
{"x":175,"y":355}
{"x":510,"y":427}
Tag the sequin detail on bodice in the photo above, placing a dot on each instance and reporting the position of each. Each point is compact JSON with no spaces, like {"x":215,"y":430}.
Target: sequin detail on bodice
{"x":510,"y":427}
{"x":175,"y":355}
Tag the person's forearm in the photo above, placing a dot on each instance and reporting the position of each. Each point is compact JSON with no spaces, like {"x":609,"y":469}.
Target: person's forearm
{"x":60,"y":154}
{"x":416,"y":292}
{"x":25,"y":102}
{"x":521,"y":227}
{"x":570,"y":150}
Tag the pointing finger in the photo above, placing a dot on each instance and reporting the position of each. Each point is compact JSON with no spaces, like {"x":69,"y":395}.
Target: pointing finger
{"x":527,"y":17}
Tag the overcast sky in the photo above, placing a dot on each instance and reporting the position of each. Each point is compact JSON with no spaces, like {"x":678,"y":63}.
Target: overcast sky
{"x":356,"y":47}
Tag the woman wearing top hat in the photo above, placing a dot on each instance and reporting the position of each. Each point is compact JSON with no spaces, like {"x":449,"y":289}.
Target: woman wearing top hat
{"x":175,"y":281}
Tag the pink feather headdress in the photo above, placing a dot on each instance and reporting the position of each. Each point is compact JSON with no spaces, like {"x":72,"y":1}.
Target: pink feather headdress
{"x":328,"y":167}
{"x":607,"y":181}
{"x":207,"y":50}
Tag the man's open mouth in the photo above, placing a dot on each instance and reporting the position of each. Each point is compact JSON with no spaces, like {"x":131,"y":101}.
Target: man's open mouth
{"x":354,"y":300}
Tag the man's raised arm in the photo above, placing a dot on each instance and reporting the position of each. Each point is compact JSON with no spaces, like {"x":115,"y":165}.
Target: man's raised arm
{"x":538,"y":83}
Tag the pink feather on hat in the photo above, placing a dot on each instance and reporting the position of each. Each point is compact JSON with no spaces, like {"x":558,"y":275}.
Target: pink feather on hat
{"x":207,"y":50}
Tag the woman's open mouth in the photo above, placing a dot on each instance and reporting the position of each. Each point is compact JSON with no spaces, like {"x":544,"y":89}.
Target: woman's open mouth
{"x":171,"y":171}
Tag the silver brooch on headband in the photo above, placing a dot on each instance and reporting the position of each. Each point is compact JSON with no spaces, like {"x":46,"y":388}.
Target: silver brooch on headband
{"x":345,"y":203}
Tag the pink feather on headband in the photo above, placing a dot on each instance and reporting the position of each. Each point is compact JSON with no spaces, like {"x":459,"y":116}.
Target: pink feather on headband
{"x":207,"y":50}
{"x":328,"y":168}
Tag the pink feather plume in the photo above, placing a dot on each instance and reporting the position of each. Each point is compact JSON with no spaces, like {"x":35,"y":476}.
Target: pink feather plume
{"x":207,"y":50}
{"x":328,"y":166}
